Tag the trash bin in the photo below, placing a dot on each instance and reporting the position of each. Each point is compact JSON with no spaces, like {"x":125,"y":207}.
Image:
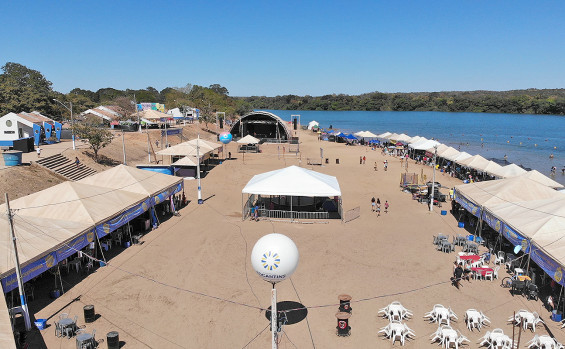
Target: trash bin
{"x":337,"y":161}
{"x":443,"y":212}
{"x":343,"y":328}
{"x":113,"y":339}
{"x":344,"y":303}
{"x":89,"y":314}
{"x":12,"y":157}
{"x":556,"y":316}
{"x":327,"y":161}
{"x":461,"y":225}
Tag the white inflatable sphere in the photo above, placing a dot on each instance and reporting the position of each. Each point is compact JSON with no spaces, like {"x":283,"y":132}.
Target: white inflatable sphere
{"x":274,"y":257}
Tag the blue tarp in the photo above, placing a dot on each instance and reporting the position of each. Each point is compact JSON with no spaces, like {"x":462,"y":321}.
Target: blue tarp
{"x":350,"y":137}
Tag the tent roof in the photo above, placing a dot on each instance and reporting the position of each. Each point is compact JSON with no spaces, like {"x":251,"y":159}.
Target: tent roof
{"x":440,"y":148}
{"x":366,"y":134}
{"x":417,"y":139}
{"x":449,"y":153}
{"x":499,"y":191}
{"x":133,"y":180}
{"x":512,"y":170}
{"x":476,"y":162}
{"x":403,"y":137}
{"x":186,"y":161}
{"x":542,"y":179}
{"x":392,"y":136}
{"x":424,"y":144}
{"x":293,"y":181}
{"x":78,"y":202}
{"x":204,"y":144}
{"x":384,"y":135}
{"x":249,"y":139}
{"x":461,"y":156}
{"x":494,"y":169}
{"x":150,"y":114}
{"x":182,"y":149}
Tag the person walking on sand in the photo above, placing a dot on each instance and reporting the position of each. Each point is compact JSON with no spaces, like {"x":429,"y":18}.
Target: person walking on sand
{"x":378,"y":207}
{"x":386,"y":206}
{"x":376,"y":167}
{"x":373,"y":204}
{"x":360,"y":160}
{"x":386,"y":164}
{"x":38,"y":150}
{"x":77,"y":161}
{"x":364,"y":160}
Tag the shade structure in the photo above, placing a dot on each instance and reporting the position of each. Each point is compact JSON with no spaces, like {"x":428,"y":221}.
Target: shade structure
{"x":204,"y":144}
{"x":182,"y":149}
{"x":131,"y":179}
{"x":512,"y":170}
{"x":515,"y":189}
{"x":403,"y":138}
{"x":152,"y":115}
{"x":424,"y":144}
{"x":440,"y":148}
{"x":449,"y":153}
{"x":392,"y":136}
{"x":249,"y":139}
{"x":460,"y":157}
{"x":349,"y":136}
{"x":311,"y":125}
{"x":293,"y":181}
{"x":542,"y":179}
{"x":366,"y":134}
{"x":186,"y":161}
{"x":384,"y":135}
{"x":476,"y":162}
{"x":494,"y":169}
{"x":417,"y":139}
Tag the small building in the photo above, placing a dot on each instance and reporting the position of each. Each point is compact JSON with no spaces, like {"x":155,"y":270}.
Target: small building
{"x":23,"y":125}
{"x":108,"y":113}
{"x":262,"y":125}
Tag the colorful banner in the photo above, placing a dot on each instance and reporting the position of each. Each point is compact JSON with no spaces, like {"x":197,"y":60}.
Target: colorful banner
{"x":551,"y":267}
{"x":157,"y":199}
{"x":467,"y":204}
{"x":493,"y":221}
{"x":30,"y":271}
{"x":151,"y":106}
{"x":121,"y":219}
{"x":515,"y":238}
{"x":172,"y":131}
{"x":58,"y":129}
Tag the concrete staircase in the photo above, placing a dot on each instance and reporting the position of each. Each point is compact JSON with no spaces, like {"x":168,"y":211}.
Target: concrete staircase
{"x":66,"y":167}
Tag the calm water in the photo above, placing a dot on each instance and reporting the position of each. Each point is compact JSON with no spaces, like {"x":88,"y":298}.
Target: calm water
{"x":527,"y":140}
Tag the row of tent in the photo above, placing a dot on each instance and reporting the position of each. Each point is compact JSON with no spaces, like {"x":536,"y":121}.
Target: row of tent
{"x":52,"y":224}
{"x":526,"y":212}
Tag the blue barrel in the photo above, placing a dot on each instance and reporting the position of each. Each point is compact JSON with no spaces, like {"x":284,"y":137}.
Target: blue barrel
{"x":461,"y":225}
{"x":443,"y":212}
{"x":556,"y":316}
{"x":12,"y":157}
{"x":40,"y":324}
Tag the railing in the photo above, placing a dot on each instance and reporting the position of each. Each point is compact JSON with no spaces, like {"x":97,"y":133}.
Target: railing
{"x":281,"y":214}
{"x":247,"y":206}
{"x":352,"y":214}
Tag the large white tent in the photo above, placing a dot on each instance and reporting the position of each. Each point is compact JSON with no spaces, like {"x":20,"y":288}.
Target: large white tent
{"x":476,"y":162}
{"x":384,"y":135}
{"x":512,"y":170}
{"x":542,"y":179}
{"x":249,"y":139}
{"x":417,"y":139}
{"x":365,"y":134}
{"x":424,"y":144}
{"x":494,"y":169}
{"x":449,"y":153}
{"x":459,"y":157}
{"x":403,"y":138}
{"x":293,"y":181}
{"x":313,"y":124}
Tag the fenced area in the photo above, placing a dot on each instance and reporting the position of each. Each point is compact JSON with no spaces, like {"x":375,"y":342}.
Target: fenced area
{"x":292,"y":215}
{"x":408,"y":178}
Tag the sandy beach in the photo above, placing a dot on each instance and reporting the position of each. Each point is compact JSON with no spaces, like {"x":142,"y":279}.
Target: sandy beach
{"x":170,"y":291}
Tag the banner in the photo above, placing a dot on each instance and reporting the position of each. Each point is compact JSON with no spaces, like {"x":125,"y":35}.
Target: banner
{"x":515,"y":238}
{"x":172,"y":131}
{"x":467,"y":204}
{"x":58,"y":129}
{"x":30,"y":271}
{"x":121,"y":219}
{"x":159,"y":198}
{"x":48,"y":130}
{"x":492,"y":221}
{"x":551,"y":267}
{"x":36,"y":134}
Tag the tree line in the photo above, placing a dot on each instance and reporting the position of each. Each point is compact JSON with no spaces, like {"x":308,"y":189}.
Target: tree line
{"x":25,"y":89}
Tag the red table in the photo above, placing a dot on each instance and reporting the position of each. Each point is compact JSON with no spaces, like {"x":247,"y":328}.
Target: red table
{"x":483,"y":271}
{"x":472,"y":257}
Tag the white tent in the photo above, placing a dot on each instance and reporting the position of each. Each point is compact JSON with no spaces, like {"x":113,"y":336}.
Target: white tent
{"x":204,"y":144}
{"x":365,"y":134}
{"x":459,"y":157}
{"x":249,"y":139}
{"x":403,"y":138}
{"x":186,"y":161}
{"x":542,"y":179}
{"x":392,"y":136}
{"x":448,"y":153}
{"x":440,"y":148}
{"x":494,"y":169}
{"x":512,"y":170}
{"x":417,"y":139}
{"x":384,"y":135}
{"x":424,"y":145}
{"x":175,"y":113}
{"x":312,"y":124}
{"x":293,"y":181}
{"x":476,"y":162}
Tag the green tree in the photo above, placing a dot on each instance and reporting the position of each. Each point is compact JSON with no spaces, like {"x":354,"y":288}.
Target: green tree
{"x":219,"y":89}
{"x":97,"y":137}
{"x":24,"y":89}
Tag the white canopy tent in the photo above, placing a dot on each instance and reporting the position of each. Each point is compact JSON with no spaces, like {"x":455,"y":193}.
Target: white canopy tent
{"x":365,"y":134}
{"x":384,"y":135}
{"x":440,"y":148}
{"x":417,"y":139}
{"x":424,"y":144}
{"x":476,"y":162}
{"x":512,"y":170}
{"x":249,"y":139}
{"x":494,"y":169}
{"x":313,"y":124}
{"x":403,"y":138}
{"x":459,"y":157}
{"x":542,"y":179}
{"x":448,"y":153}
{"x":293,"y":181}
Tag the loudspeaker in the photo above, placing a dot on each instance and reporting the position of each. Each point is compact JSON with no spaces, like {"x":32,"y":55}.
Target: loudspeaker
{"x":295,"y":124}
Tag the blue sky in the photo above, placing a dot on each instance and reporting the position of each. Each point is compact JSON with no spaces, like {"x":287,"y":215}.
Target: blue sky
{"x":292,"y":47}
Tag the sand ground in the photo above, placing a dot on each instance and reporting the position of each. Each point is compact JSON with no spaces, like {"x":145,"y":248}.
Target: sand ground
{"x":147,"y":292}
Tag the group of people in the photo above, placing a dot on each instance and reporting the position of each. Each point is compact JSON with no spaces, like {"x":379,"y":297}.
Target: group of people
{"x":376,"y":206}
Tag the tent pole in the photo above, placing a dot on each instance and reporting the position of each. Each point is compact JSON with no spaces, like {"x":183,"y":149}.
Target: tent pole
{"x":60,"y":278}
{"x":242,"y":209}
{"x":529,"y":257}
{"x":291,"y":208}
{"x":100,"y":246}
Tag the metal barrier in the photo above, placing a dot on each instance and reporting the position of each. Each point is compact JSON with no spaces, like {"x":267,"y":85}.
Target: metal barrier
{"x":247,"y":206}
{"x":281,"y":214}
{"x":352,"y":214}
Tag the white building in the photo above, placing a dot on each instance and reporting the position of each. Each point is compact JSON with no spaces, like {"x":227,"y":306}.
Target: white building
{"x":15,"y":126}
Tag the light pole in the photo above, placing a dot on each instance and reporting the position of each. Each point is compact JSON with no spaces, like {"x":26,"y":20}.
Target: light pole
{"x":433,"y":179}
{"x":72,"y":120}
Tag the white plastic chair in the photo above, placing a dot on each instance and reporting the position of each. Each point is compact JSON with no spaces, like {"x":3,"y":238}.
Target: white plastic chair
{"x":489,"y":275}
{"x":495,"y":272}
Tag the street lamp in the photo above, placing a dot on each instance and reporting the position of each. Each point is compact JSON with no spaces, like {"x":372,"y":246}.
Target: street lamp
{"x":72,"y":120}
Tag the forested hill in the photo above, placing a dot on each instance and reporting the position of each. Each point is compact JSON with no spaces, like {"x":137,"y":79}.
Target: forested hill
{"x":531,"y":101}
